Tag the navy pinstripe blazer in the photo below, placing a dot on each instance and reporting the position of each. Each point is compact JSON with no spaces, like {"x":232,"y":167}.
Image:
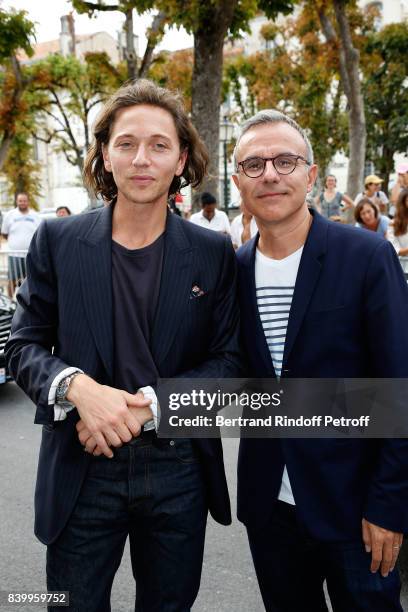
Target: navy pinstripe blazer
{"x":64,"y":318}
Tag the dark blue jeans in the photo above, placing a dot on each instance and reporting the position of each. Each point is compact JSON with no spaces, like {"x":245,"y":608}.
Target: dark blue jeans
{"x":291,"y":569}
{"x":153,"y":491}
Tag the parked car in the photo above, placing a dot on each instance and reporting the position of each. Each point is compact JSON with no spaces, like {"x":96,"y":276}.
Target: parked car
{"x":48,"y":213}
{"x":7,"y":308}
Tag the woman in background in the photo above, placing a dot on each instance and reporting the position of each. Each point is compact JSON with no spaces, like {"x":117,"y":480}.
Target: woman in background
{"x":368,"y":216}
{"x":331,"y":203}
{"x":63,"y":211}
{"x":398,"y":228}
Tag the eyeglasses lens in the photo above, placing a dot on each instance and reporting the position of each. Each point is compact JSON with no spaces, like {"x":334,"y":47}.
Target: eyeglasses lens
{"x":255,"y":166}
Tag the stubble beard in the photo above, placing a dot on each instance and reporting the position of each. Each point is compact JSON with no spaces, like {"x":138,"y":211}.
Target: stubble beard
{"x":140,"y":199}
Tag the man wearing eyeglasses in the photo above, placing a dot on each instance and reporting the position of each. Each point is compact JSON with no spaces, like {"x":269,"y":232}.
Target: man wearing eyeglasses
{"x":318,"y":300}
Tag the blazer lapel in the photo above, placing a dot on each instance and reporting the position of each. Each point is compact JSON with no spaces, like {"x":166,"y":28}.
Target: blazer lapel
{"x":248,"y":295}
{"x":95,"y":255}
{"x":307,"y":277}
{"x":175,"y":287}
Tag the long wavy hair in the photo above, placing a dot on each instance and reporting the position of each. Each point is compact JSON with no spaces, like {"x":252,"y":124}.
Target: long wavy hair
{"x":143,"y":91}
{"x":400,"y":220}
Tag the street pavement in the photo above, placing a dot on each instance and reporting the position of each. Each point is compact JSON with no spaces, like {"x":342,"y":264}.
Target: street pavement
{"x":228,"y":579}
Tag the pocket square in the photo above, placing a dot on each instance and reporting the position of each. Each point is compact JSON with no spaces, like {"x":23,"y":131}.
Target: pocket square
{"x":196,"y":292}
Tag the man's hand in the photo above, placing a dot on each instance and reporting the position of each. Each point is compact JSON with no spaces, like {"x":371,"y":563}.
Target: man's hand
{"x":105,"y":412}
{"x":384,"y":546}
{"x":143,"y":415}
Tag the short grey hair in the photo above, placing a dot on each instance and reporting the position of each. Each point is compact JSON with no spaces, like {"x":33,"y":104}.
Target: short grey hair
{"x":271,"y":115}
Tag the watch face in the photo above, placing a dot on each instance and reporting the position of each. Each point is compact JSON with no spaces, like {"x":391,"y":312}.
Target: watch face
{"x":62,"y":389}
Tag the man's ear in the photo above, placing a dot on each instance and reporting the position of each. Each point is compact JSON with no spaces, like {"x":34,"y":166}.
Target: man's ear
{"x":311,"y":178}
{"x":106,"y":160}
{"x":181,"y":163}
{"x":235,"y":178}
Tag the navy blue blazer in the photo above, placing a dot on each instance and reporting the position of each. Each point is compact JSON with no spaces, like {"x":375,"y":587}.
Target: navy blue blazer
{"x":64,"y":318}
{"x":348,"y":319}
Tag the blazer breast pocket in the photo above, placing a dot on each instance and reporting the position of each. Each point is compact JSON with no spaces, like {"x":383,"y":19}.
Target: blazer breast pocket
{"x":331,"y":313}
{"x":196,"y":302}
{"x":339,"y":322}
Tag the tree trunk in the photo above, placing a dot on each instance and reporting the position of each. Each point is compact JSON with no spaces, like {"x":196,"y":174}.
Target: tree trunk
{"x":349,"y":73}
{"x":20,"y":184}
{"x":8,"y":134}
{"x":131,"y":58}
{"x":207,"y":80}
{"x":385,"y":165}
{"x":350,"y":57}
{"x":155,"y":35}
{"x":4,"y":149}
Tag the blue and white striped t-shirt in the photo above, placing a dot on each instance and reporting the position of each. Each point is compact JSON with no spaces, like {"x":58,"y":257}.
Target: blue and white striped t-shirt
{"x":275,"y":283}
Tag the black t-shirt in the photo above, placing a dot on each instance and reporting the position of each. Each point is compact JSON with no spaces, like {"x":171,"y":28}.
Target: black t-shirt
{"x":136,"y":284}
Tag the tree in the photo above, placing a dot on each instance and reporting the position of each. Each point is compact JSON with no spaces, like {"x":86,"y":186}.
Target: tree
{"x":65,"y":95}
{"x":349,"y":68}
{"x":154,"y":33}
{"x":16,"y":32}
{"x":385,"y":68}
{"x":298,"y":79}
{"x":174,"y":71}
{"x":211,"y":23}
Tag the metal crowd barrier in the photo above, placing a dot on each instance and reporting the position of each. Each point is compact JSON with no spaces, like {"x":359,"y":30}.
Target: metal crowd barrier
{"x":404,"y":264}
{"x":12,"y":269}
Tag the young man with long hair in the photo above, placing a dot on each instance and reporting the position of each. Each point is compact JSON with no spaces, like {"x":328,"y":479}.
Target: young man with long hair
{"x":110,"y":304}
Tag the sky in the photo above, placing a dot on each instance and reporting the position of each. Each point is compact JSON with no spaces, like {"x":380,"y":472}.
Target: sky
{"x":47,"y":14}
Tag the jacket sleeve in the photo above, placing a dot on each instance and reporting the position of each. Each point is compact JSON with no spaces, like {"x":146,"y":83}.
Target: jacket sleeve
{"x":34,"y":328}
{"x":386,"y":317}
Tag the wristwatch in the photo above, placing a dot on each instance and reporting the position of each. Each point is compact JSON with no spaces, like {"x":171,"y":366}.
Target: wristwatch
{"x":63,"y":386}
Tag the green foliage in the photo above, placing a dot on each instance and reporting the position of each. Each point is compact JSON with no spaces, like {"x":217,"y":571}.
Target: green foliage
{"x":57,"y":106}
{"x":385,"y":67}
{"x":300,"y":80}
{"x":272,"y":8}
{"x":20,"y":169}
{"x":193,"y":15}
{"x":16,"y":32}
{"x":196,"y":15}
{"x":90,"y":8}
{"x":64,"y":93}
{"x":174,"y":71}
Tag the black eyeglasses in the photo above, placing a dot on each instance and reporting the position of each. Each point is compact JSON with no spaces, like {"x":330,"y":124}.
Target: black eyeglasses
{"x":254,"y":167}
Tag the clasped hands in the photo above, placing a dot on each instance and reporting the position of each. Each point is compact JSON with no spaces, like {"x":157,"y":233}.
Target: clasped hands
{"x":109,"y":417}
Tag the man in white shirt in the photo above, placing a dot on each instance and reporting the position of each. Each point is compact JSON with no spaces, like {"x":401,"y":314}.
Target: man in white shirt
{"x":243,"y":227}
{"x":18,"y":228}
{"x":372,"y":184}
{"x":210,"y":217}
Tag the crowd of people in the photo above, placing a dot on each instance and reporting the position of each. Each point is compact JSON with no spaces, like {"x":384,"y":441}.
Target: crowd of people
{"x":371,"y":210}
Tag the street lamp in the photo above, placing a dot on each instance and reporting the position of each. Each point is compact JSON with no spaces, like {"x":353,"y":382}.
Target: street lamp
{"x":226,"y":132}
